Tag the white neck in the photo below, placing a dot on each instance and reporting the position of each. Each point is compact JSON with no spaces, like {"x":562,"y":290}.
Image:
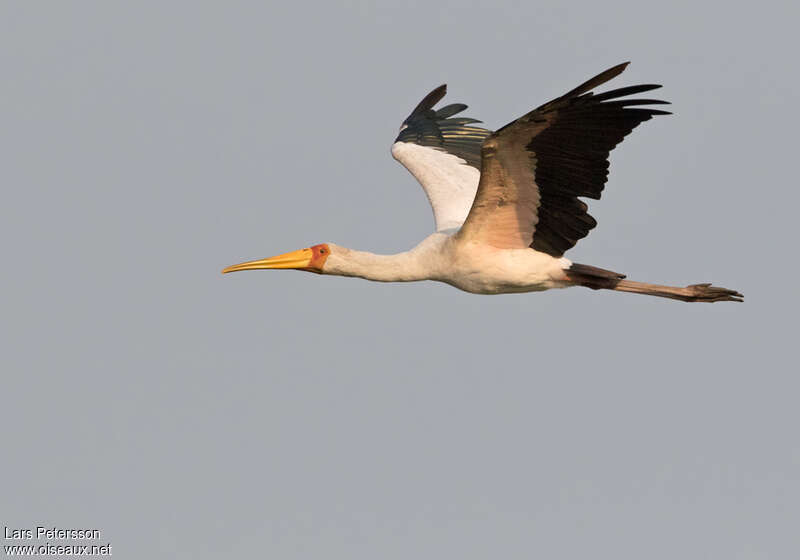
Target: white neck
{"x":416,"y":264}
{"x":402,"y":267}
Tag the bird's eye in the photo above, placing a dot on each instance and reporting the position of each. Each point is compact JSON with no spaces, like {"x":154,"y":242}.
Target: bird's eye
{"x":322,"y":251}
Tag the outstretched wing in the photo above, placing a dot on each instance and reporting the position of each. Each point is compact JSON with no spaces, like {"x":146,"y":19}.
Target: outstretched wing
{"x":444,"y":154}
{"x":535,"y":168}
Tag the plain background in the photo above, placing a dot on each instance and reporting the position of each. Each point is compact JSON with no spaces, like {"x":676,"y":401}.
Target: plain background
{"x":187,"y":414}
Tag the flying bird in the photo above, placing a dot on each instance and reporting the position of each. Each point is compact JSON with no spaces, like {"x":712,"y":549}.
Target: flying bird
{"x":506,"y":204}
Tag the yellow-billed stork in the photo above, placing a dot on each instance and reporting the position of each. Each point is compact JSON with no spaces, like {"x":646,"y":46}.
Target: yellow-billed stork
{"x":506,"y":203}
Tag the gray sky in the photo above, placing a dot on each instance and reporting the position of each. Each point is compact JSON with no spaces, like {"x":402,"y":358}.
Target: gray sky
{"x":286,"y":415}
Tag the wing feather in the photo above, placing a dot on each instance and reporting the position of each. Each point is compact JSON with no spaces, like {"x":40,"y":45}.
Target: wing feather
{"x":444,"y":155}
{"x":536,"y":167}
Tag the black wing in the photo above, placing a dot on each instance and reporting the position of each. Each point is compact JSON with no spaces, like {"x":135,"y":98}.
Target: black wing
{"x":542,"y":162}
{"x":437,"y":129}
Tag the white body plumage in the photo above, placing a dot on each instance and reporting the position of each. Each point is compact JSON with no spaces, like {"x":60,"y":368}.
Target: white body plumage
{"x":471,"y":267}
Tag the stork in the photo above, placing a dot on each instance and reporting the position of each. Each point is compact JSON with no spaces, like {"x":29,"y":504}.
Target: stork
{"x":506,"y":203}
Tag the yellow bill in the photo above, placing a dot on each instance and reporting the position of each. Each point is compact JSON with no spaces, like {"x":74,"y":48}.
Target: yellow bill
{"x":296,"y":259}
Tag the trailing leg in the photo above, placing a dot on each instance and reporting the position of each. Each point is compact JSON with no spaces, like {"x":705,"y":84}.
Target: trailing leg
{"x":600,"y":279}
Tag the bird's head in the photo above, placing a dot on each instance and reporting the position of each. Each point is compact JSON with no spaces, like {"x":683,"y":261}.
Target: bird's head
{"x":311,"y":259}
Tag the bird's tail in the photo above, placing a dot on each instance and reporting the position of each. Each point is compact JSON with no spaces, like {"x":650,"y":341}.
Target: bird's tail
{"x":601,"y":279}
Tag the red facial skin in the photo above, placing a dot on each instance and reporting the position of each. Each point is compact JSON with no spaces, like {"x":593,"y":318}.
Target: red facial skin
{"x":319,"y":256}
